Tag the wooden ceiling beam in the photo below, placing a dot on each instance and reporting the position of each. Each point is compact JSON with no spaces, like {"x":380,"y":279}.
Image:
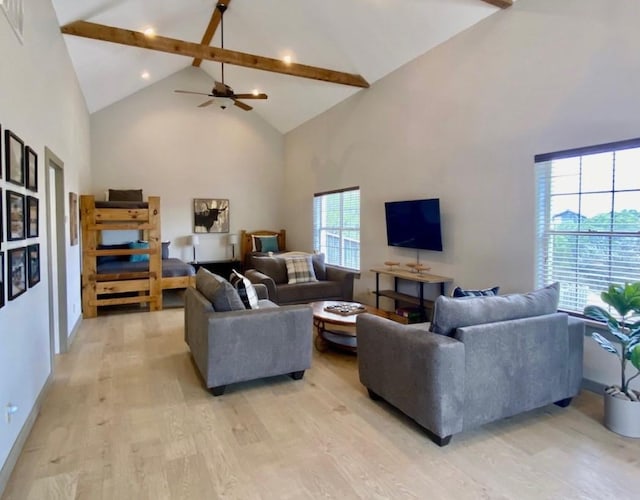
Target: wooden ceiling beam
{"x":173,"y":46}
{"x":503,"y":4}
{"x":210,"y":31}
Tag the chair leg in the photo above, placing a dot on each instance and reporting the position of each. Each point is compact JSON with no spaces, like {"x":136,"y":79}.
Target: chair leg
{"x":563,"y":403}
{"x":373,"y":395}
{"x":440,"y":441}
{"x":297,"y":375}
{"x":218,"y":391}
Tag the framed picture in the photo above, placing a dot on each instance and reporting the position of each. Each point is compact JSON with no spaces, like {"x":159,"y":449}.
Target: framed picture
{"x":31,"y":166}
{"x":33,"y":257}
{"x":14,"y":158}
{"x":32,"y":217}
{"x":210,"y":215}
{"x":1,"y":217}
{"x":17,"y":275}
{"x":73,"y":219}
{"x":1,"y":279}
{"x":0,"y":153}
{"x":15,"y":216}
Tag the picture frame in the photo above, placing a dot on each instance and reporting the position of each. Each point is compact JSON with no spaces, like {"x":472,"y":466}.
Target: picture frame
{"x":15,"y":216}
{"x":210,"y":215}
{"x":33,"y":264}
{"x":1,"y":216}
{"x":31,"y":168}
{"x":1,"y":279}
{"x":14,"y":158}
{"x":17,"y":272}
{"x":73,"y":219}
{"x":0,"y":152}
{"x":33,"y":217}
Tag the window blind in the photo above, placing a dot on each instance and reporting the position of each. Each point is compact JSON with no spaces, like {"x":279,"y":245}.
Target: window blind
{"x":336,"y":226}
{"x":588,"y":221}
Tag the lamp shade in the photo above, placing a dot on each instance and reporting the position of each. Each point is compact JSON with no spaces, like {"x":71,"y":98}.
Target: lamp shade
{"x":194,"y":240}
{"x":233,"y":239}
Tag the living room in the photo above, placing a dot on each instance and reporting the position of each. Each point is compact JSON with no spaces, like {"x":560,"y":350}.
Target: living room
{"x":461,"y":123}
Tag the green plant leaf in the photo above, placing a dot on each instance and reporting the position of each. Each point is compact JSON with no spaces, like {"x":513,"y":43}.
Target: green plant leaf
{"x":599,"y":314}
{"x":635,"y":357}
{"x":605,"y":344}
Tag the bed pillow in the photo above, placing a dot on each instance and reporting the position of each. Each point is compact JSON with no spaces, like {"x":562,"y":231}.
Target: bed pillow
{"x":487,"y":292}
{"x":246,"y":290}
{"x":103,"y":259}
{"x":165,"y":249}
{"x":142,"y":257}
{"x":267,"y":244}
{"x":300,"y":269}
{"x":125,"y":194}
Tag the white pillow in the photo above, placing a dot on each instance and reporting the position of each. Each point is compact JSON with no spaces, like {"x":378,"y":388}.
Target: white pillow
{"x":300,"y":269}
{"x":245,"y":289}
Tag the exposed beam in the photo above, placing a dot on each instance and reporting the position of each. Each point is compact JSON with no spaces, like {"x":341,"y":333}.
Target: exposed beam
{"x":210,"y":31}
{"x":172,"y":46}
{"x":503,"y":4}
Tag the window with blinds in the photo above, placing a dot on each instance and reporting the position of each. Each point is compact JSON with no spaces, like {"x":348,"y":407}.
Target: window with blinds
{"x":336,"y":226}
{"x":588,"y":220}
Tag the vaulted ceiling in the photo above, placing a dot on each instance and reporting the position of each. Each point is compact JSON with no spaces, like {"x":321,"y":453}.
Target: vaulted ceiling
{"x":360,"y":41}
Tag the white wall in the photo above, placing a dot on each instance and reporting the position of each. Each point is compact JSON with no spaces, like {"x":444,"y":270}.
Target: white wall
{"x":163,"y":143}
{"x":41,"y":102}
{"x":463,"y":123}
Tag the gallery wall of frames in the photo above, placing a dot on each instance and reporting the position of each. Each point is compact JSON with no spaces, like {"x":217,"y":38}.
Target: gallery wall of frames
{"x":19,"y":217}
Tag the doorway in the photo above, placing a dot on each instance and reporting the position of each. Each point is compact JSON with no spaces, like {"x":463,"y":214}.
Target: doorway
{"x":56,"y":253}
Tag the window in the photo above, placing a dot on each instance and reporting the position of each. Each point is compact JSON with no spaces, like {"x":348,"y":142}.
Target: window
{"x":588,"y":220}
{"x":336,"y":226}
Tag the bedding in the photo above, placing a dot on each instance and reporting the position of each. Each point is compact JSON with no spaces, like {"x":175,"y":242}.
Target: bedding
{"x":171,"y":268}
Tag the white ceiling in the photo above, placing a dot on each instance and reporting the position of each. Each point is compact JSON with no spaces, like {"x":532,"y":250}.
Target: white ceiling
{"x":368,"y":37}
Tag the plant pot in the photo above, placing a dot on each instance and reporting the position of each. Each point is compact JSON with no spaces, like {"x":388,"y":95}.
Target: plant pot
{"x":622,"y":416}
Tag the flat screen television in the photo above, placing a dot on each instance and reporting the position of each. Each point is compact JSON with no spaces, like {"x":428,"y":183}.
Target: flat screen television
{"x":414,"y":224}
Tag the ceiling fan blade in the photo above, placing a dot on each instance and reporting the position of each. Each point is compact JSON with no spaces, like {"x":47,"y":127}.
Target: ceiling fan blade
{"x":251,"y":96}
{"x":242,"y":105}
{"x":206,"y":103}
{"x":189,"y":92}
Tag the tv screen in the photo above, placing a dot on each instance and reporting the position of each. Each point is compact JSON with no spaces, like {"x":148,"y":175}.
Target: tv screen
{"x":414,"y":224}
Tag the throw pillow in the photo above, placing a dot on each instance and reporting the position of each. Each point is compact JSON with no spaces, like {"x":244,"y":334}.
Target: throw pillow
{"x":125,"y":194}
{"x":300,"y":269}
{"x":103,"y":259}
{"x":267,"y":244}
{"x":319,"y":266}
{"x":222,"y":295}
{"x":246,"y":290}
{"x":274,"y":267}
{"x":142,"y":257}
{"x":487,"y":292}
{"x":165,"y":249}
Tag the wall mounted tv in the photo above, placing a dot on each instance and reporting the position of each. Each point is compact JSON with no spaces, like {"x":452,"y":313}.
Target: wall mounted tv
{"x":414,"y":224}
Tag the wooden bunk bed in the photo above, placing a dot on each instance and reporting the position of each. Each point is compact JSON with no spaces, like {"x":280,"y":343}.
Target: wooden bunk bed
{"x":248,"y":244}
{"x":114,"y":286}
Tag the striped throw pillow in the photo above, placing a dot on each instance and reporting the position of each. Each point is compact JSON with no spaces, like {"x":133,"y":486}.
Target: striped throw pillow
{"x":245,"y":289}
{"x":300,"y":269}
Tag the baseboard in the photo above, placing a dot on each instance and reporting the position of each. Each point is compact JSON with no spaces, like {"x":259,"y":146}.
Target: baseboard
{"x":73,"y":333}
{"x":14,"y":454}
{"x":593,"y":386}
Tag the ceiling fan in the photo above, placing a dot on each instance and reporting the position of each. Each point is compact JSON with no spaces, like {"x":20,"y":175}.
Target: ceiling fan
{"x":220,"y":89}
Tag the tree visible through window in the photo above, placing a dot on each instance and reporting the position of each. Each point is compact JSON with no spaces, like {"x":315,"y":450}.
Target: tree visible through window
{"x":336,"y":226}
{"x":588,"y":220}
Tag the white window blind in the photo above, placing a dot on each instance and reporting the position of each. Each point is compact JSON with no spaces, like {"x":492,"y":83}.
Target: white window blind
{"x":588,"y":220}
{"x":336,"y":226}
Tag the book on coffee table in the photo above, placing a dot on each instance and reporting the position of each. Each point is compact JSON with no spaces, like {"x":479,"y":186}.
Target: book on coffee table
{"x":346,"y":309}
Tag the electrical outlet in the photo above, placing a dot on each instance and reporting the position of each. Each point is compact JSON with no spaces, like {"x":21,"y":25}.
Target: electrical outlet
{"x":10,"y":410}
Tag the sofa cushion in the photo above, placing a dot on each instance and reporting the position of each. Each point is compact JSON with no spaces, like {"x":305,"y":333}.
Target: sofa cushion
{"x":300,"y":269}
{"x":451,"y":313}
{"x":487,"y":292}
{"x":274,"y":267}
{"x":245,"y":289}
{"x":222,"y":295}
{"x":302,"y":293}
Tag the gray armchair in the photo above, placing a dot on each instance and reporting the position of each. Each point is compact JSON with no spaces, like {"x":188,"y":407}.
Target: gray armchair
{"x":239,"y":345}
{"x":484,"y":359}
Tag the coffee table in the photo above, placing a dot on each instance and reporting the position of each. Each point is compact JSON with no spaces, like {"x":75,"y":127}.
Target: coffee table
{"x":345,"y":337}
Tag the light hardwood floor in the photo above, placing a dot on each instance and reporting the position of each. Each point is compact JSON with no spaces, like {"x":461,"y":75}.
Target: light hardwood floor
{"x":127,"y":417}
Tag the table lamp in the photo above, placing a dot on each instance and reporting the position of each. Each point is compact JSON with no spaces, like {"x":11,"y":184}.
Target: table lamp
{"x":233,"y":241}
{"x":194,"y":241}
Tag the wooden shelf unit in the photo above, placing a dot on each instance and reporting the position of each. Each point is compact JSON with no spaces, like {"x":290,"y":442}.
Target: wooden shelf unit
{"x":148,"y":285}
{"x":402,"y":274}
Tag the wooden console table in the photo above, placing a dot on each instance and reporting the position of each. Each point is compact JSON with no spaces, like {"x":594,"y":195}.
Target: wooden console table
{"x":402,"y":274}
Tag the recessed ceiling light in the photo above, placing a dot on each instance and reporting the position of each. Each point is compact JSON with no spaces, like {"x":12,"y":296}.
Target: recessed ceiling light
{"x":255,"y":91}
{"x":150,"y":32}
{"x":145,"y":75}
{"x":287,"y":59}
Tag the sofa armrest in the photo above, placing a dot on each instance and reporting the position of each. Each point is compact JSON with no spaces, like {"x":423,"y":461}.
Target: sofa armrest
{"x":258,"y":278}
{"x":419,"y":372}
{"x":261,"y":291}
{"x":196,"y":313}
{"x":345,"y":276}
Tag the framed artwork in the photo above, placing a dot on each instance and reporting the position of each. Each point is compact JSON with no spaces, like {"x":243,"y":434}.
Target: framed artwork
{"x":1,"y":279}
{"x":1,"y":217}
{"x":14,"y":158}
{"x":15,"y":216}
{"x":33,"y":258}
{"x":17,"y":275}
{"x":73,"y":218}
{"x":210,"y":215}
{"x":0,"y":153}
{"x":32,"y":217}
{"x":31,"y":166}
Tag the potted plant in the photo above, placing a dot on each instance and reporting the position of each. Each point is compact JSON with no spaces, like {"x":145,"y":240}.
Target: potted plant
{"x":622,"y":403}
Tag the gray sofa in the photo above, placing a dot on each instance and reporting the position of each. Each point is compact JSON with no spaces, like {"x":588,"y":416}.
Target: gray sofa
{"x":333,"y":283}
{"x":485,"y":358}
{"x":236,"y":345}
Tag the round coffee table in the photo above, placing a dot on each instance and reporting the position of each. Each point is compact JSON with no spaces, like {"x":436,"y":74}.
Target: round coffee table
{"x":345,"y":338}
